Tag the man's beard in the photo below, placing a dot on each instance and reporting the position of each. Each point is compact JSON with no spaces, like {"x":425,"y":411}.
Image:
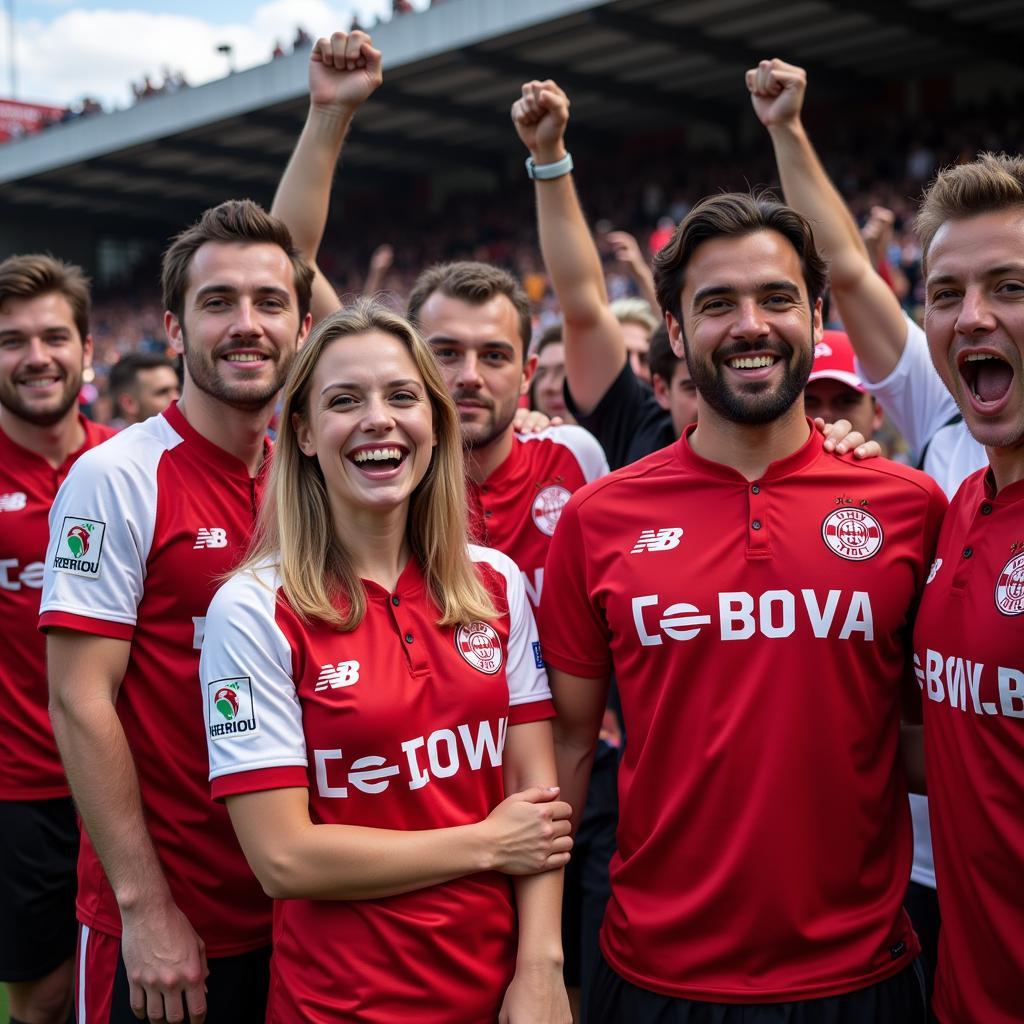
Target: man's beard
{"x":758,"y":404}
{"x":205,"y":373}
{"x":480,"y":435}
{"x":44,"y":416}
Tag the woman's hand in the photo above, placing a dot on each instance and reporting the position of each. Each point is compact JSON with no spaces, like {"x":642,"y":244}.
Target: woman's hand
{"x":528,"y":832}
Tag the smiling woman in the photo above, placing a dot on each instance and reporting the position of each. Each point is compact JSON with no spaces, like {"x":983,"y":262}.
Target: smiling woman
{"x":372,"y":689}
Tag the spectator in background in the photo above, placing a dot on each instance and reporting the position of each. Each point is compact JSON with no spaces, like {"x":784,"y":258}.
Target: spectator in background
{"x":547,"y":391}
{"x":638,"y":323}
{"x":141,"y":384}
{"x":835,"y":391}
{"x":302,"y":39}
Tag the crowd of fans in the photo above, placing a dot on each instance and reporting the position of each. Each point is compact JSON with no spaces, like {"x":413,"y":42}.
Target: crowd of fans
{"x":881,"y":166}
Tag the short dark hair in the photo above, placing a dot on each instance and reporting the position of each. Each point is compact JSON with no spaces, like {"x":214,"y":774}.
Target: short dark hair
{"x":661,"y":360}
{"x":550,"y":336}
{"x":127,"y":368}
{"x":733,"y":215}
{"x":995,"y":181}
{"x":475,"y":283}
{"x":35,"y":274}
{"x":237,"y":220}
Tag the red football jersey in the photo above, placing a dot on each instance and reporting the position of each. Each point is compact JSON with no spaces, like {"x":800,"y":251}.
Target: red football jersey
{"x":969,"y":660}
{"x":399,"y":724}
{"x":759,"y":633}
{"x":30,"y":767}
{"x":516,"y":508}
{"x":140,"y":533}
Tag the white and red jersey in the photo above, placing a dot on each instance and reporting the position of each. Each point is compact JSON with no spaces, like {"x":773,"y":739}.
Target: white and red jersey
{"x":516,"y":508}
{"x":140,"y":534}
{"x":399,"y":724}
{"x":969,"y":660}
{"x":759,"y":633}
{"x":30,"y":767}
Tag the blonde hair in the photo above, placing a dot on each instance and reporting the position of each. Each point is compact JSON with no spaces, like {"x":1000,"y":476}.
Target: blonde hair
{"x":296,"y":531}
{"x":993,"y":182}
{"x":635,"y":311}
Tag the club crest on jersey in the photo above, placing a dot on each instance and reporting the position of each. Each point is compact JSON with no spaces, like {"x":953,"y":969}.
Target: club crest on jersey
{"x":232,"y":711}
{"x":547,"y":508}
{"x":1010,"y":587}
{"x":478,"y":643}
{"x":14,"y":502}
{"x":80,"y":547}
{"x":852,"y":534}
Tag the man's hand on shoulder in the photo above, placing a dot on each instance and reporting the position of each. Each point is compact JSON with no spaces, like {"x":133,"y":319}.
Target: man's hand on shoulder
{"x":530,"y":421}
{"x":344,"y":71}
{"x":840,"y":437}
{"x":777,"y":92}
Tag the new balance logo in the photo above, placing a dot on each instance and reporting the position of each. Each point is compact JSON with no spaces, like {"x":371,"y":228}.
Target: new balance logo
{"x":345,"y":673}
{"x":212,"y":538}
{"x":658,"y":540}
{"x":12,"y":502}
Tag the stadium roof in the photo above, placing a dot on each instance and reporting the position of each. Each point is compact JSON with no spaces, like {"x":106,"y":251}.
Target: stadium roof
{"x":451,"y":73}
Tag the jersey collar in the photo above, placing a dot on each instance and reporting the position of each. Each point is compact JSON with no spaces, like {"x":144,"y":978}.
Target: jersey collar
{"x":806,"y":455}
{"x":208,"y":450}
{"x":14,"y":452}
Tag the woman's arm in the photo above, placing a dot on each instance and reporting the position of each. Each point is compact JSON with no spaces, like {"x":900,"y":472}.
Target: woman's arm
{"x":537,"y":994}
{"x":296,"y":859}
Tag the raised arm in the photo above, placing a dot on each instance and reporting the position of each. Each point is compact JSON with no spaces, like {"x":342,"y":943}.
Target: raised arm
{"x":871,"y":312}
{"x":343,"y":72}
{"x":594,"y":349}
{"x":164,"y":957}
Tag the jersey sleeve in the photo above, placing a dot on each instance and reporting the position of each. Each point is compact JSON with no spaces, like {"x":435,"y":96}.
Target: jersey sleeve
{"x":101,"y":532}
{"x":251,"y":709}
{"x":529,"y":696}
{"x":913,"y":395}
{"x":589,"y":453}
{"x":573,"y":631}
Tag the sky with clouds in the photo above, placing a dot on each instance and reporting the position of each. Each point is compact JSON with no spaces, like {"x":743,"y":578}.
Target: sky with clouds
{"x":66,"y":50}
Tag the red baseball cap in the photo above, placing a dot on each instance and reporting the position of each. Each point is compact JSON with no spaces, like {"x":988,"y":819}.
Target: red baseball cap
{"x":833,"y":360}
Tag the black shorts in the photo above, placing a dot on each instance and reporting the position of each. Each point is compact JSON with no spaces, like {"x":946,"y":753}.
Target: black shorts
{"x":897,"y":1000}
{"x":38,"y":882}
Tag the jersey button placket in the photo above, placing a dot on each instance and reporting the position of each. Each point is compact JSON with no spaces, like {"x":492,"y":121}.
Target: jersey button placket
{"x":757,"y":519}
{"x":413,"y":651}
{"x":966,"y":560}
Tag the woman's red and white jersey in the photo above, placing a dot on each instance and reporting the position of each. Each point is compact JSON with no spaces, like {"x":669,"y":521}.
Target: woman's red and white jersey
{"x":30,"y":767}
{"x":398,"y":724}
{"x":516,"y":508}
{"x":759,"y":632}
{"x":969,"y":660}
{"x":141,"y":532}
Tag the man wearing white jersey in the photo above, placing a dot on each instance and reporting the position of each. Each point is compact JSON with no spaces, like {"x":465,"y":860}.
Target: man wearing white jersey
{"x":140,"y":536}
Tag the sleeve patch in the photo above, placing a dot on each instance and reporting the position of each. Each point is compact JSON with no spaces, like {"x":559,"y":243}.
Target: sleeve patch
{"x":538,"y":658}
{"x":80,"y":547}
{"x":232,"y":708}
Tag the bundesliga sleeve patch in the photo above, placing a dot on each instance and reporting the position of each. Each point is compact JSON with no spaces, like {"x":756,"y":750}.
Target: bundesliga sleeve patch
{"x":538,"y":658}
{"x":80,"y":547}
{"x":852,"y":534}
{"x":232,"y":709}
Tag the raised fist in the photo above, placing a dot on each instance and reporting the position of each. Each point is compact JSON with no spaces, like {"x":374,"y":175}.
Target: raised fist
{"x":540,"y":116}
{"x":777,"y":91}
{"x":343,"y":71}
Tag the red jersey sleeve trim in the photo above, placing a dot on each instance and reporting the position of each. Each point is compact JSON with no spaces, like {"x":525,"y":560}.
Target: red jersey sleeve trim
{"x":85,"y":624}
{"x":259,"y":779}
{"x":535,"y":711}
